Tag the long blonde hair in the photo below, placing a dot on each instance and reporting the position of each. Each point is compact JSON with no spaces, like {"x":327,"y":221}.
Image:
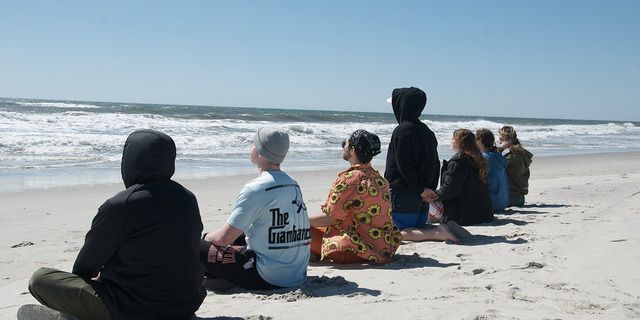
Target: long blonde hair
{"x":509,"y":133}
{"x":467,"y":142}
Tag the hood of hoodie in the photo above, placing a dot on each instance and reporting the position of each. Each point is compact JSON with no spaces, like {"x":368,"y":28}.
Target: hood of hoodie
{"x":408,"y":103}
{"x":526,"y":155}
{"x":497,"y":160}
{"x":148,"y":155}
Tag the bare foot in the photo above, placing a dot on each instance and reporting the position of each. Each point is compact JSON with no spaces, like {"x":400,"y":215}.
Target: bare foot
{"x":446,"y":234}
{"x":458,"y":231}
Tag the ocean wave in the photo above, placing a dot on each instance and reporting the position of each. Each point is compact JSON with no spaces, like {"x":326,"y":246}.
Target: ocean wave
{"x":57,"y":105}
{"x":49,"y":136}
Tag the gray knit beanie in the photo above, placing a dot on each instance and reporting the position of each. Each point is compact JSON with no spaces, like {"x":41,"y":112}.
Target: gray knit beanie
{"x":272,"y":144}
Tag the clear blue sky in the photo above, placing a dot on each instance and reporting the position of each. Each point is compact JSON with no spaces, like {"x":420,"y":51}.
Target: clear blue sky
{"x":548,"y":59}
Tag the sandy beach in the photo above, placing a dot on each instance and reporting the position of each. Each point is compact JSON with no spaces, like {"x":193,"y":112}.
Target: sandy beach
{"x":570,"y":253}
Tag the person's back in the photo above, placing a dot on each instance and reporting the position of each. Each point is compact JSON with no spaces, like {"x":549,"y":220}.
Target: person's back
{"x":465,"y":197}
{"x":356,"y":222}
{"x":413,"y":169}
{"x":141,"y":254}
{"x":518,"y":168}
{"x":412,"y":157}
{"x":271,"y":218}
{"x":147,"y":237}
{"x":497,"y":180}
{"x":277,"y":227}
{"x":154,"y":270}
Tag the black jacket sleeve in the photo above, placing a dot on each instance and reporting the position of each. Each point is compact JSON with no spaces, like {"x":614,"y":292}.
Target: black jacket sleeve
{"x":102,"y":241}
{"x":453,"y":178}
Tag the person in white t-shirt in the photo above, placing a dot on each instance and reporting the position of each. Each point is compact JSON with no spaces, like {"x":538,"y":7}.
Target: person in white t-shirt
{"x":265,"y":242}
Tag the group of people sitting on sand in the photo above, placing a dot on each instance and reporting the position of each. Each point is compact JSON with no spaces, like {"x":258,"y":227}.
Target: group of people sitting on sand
{"x":145,"y":256}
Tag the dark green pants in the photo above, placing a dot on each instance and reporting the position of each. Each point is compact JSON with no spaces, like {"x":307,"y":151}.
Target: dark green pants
{"x":69,"y":293}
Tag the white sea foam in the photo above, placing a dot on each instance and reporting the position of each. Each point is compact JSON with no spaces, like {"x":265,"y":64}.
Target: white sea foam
{"x":49,"y":138}
{"x":58,"y":105}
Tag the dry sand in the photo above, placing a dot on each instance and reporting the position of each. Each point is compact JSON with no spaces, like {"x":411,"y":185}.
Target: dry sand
{"x":570,"y":253}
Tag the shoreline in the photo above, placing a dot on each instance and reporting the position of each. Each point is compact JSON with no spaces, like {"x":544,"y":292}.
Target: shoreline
{"x":570,"y":252}
{"x":377,"y":164}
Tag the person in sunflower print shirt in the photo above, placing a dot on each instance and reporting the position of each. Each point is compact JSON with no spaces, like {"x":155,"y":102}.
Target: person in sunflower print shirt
{"x":355,"y":224}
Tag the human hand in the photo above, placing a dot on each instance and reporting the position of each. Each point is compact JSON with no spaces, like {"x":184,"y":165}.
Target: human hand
{"x":505,"y":144}
{"x":428,"y":195}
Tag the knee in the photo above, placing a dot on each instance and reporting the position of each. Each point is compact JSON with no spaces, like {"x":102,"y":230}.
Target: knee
{"x":40,"y":276}
{"x":38,"y":283}
{"x":41,"y":279}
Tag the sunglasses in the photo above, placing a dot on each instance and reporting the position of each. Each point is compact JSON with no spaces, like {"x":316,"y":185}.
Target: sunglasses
{"x":344,"y":143}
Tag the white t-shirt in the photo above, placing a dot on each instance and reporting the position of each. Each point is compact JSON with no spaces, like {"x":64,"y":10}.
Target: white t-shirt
{"x":271,"y":212}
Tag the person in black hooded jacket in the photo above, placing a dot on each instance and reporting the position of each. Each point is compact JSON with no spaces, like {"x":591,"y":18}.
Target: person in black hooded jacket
{"x":140,"y":258}
{"x":464,"y":191}
{"x":412,"y":169}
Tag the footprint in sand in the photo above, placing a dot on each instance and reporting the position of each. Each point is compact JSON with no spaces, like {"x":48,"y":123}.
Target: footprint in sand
{"x":22,"y":244}
{"x":478,"y":271}
{"x":534,"y":265}
{"x":461,"y":256}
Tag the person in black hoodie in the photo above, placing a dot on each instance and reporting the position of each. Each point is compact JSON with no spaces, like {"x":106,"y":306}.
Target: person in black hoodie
{"x":140,"y":258}
{"x":412,"y":169}
{"x":464,"y":191}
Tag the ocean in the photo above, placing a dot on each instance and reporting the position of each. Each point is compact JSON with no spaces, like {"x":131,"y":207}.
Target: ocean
{"x":52,"y":143}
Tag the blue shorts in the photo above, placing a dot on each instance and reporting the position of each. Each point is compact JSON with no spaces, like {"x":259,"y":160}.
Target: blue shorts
{"x":410,"y":220}
{"x":408,"y":209}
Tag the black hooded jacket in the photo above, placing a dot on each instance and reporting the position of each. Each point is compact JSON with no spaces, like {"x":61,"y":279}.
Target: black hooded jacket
{"x":412,"y":158}
{"x":145,"y":240}
{"x":465,"y":197}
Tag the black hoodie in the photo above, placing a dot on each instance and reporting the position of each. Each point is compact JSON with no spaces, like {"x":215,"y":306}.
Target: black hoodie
{"x":412,"y":158}
{"x":145,"y":240}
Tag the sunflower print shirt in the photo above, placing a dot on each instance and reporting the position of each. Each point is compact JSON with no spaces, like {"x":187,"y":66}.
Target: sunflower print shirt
{"x":361,"y":203}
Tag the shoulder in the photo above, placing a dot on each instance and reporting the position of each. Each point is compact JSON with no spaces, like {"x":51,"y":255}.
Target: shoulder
{"x":264,"y":179}
{"x":458,"y":161}
{"x":405,"y":128}
{"x":281,"y":177}
{"x":177,"y":187}
{"x":495,"y":158}
{"x":452,"y":163}
{"x":352,"y":175}
{"x":121,"y":197}
{"x":492,"y":155}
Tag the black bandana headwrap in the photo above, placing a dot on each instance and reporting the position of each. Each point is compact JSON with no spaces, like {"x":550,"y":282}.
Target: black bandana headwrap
{"x":368,"y":143}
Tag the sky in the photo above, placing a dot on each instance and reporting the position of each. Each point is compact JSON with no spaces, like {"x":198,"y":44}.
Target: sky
{"x":571,"y":59}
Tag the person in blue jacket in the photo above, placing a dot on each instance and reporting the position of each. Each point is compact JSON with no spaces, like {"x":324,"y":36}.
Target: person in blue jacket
{"x":497,"y":176}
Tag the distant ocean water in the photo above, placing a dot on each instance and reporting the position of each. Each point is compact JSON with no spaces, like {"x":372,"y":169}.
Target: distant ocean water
{"x":50,"y":143}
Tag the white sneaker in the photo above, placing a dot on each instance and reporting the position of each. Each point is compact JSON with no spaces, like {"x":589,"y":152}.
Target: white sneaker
{"x":40,"y":312}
